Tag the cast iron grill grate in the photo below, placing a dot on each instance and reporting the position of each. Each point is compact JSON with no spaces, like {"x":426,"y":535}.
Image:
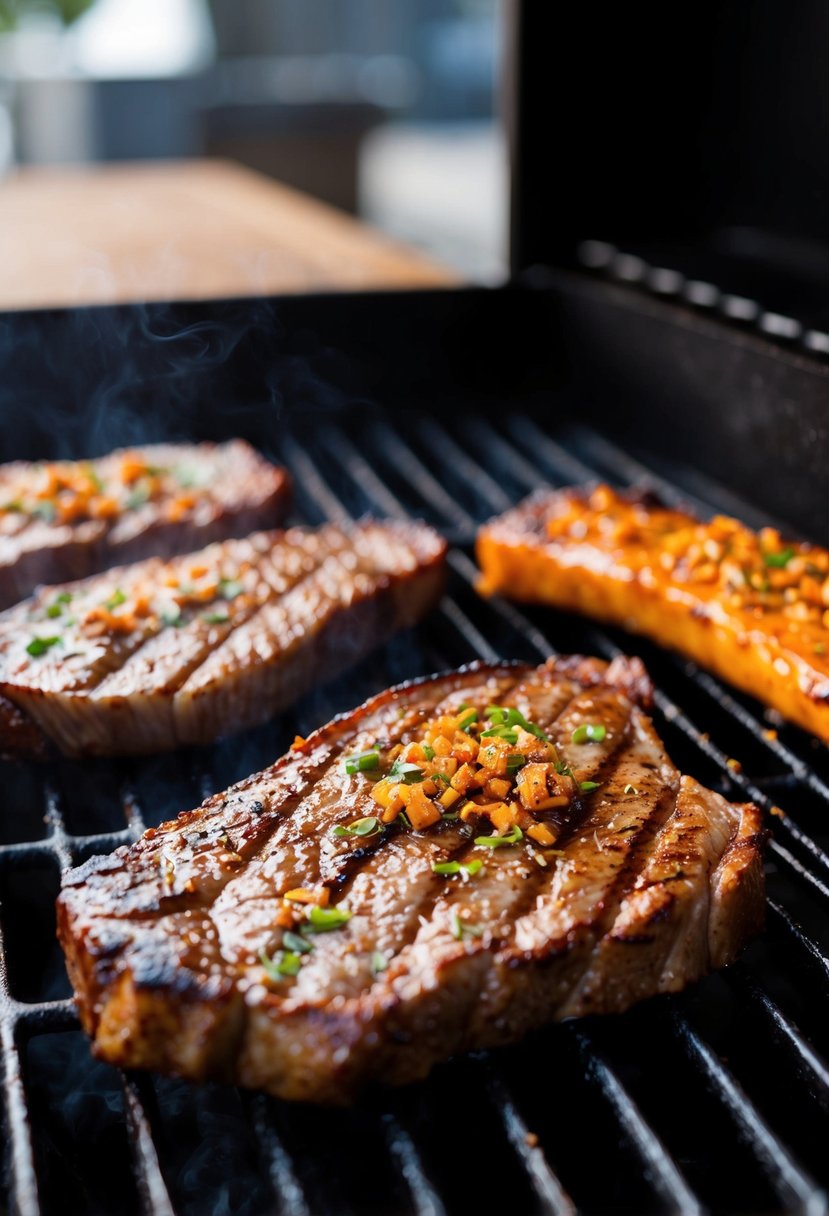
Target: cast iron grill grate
{"x":717,"y":1100}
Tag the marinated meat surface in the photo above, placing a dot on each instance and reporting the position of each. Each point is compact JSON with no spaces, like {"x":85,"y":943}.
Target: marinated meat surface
{"x":148,"y":657}
{"x":69,"y":519}
{"x":750,"y":606}
{"x":460,"y":860}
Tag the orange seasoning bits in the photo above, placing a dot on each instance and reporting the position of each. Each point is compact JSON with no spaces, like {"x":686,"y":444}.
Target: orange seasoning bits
{"x":472,"y":765}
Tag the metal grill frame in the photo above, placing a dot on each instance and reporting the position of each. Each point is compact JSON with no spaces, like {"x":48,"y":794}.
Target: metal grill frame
{"x":521,"y":451}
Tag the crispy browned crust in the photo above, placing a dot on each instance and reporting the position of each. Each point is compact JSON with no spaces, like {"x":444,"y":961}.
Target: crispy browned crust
{"x":318,"y":634}
{"x":253,"y":494}
{"x":652,"y":891}
{"x":763,"y":653}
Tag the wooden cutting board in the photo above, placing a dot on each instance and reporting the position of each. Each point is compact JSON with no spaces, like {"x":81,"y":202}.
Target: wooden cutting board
{"x":183,"y":230}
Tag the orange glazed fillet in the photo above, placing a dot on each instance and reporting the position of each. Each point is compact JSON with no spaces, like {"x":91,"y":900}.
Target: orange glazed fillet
{"x":747,"y":605}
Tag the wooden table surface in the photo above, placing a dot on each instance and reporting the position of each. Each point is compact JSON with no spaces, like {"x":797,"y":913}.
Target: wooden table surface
{"x":183,"y":230}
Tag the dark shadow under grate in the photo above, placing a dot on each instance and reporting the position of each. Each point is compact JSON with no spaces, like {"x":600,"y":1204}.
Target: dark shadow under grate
{"x":716,"y":1100}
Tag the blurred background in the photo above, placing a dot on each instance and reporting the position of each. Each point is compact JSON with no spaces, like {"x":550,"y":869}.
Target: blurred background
{"x":385,"y":108}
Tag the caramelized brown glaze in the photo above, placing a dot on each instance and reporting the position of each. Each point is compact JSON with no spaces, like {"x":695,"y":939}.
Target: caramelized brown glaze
{"x":749,"y":606}
{"x":172,"y":943}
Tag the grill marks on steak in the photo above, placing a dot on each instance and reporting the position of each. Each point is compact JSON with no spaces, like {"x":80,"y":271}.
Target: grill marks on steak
{"x":647,"y":891}
{"x":199,"y":493}
{"x":311,"y":603}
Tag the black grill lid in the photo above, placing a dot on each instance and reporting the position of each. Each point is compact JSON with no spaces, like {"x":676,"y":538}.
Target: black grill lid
{"x":692,"y":135}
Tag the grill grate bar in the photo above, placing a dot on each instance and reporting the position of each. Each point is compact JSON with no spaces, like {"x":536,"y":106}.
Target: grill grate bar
{"x":401,"y":1146}
{"x":794,"y":1186}
{"x":155,"y":1196}
{"x":19,"y":1148}
{"x":793,"y":929}
{"x":283,"y":1178}
{"x":416,"y":472}
{"x":785,"y":1032}
{"x":551,"y":1194}
{"x":666,"y":1177}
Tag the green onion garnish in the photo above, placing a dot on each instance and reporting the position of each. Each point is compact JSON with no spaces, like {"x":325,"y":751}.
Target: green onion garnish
{"x":115,"y":600}
{"x":631,"y":789}
{"x":298,"y":944}
{"x":509,"y":716}
{"x":360,"y":827}
{"x":469,"y":868}
{"x":171,"y":615}
{"x":495,"y":842}
{"x":589,"y":733}
{"x":284,"y":963}
{"x":379,"y":962}
{"x":408,"y":773}
{"x":362,"y":762}
{"x":215,"y":618}
{"x":39,"y":646}
{"x":14,"y":505}
{"x":589,"y":786}
{"x":46,"y":510}
{"x":515,"y":761}
{"x":428,"y":752}
{"x":500,"y":732}
{"x":229,"y":588}
{"x":137,"y":498}
{"x":779,"y":560}
{"x":468,"y":718}
{"x":323,"y":920}
{"x":563,"y":769}
{"x":187,"y":477}
{"x":59,"y":603}
{"x":463,"y":928}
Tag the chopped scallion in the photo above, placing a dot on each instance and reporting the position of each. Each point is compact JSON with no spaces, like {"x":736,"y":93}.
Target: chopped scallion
{"x":298,"y":944}
{"x":589,"y":786}
{"x":463,"y":928}
{"x":779,"y":561}
{"x":322,"y":920}
{"x":215,"y":618}
{"x":408,"y":773}
{"x":115,"y":600}
{"x":360,"y":827}
{"x":284,"y":963}
{"x":495,"y":842}
{"x":466,"y":720}
{"x":39,"y":646}
{"x":590,"y":732}
{"x":362,"y":762}
{"x":230,"y":588}
{"x":379,"y":962}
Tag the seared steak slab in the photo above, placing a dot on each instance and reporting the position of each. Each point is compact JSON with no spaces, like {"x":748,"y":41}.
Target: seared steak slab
{"x":69,"y":519}
{"x":148,"y":657}
{"x":456,"y":862}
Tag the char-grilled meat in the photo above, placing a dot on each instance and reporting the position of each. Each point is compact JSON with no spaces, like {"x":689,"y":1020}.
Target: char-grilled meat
{"x":69,"y":519}
{"x":340,"y":918}
{"x":148,"y":657}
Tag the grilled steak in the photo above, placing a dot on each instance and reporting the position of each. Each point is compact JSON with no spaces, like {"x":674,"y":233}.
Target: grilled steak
{"x":456,"y":862}
{"x":747,"y":605}
{"x":148,"y":657}
{"x":70,"y":519}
